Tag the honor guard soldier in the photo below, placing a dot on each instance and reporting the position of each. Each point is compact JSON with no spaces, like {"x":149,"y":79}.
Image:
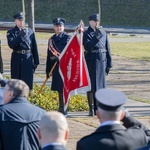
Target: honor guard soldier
{"x":24,"y":58}
{"x":111,"y":133}
{"x":98,"y":58}
{"x":56,"y":45}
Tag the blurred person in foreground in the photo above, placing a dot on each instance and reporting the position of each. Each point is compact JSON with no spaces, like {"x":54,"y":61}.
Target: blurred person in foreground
{"x":111,"y":134}
{"x":3,"y":82}
{"x":147,"y":147}
{"x":56,"y":44}
{"x":19,"y":119}
{"x":53,"y":131}
{"x":98,"y":58}
{"x":24,"y":57}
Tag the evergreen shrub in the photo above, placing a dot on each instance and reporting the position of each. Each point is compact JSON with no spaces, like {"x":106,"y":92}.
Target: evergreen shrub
{"x":48,"y":100}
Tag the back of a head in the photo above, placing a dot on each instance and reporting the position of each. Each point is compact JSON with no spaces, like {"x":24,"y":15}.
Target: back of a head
{"x":110,"y":103}
{"x":19,"y":88}
{"x":110,"y":99}
{"x":53,"y":126}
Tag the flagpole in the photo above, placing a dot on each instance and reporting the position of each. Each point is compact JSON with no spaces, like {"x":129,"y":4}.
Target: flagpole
{"x":47,"y":78}
{"x":81,"y":53}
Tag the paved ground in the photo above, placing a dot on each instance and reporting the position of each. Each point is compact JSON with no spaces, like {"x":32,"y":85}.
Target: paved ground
{"x":127,"y":75}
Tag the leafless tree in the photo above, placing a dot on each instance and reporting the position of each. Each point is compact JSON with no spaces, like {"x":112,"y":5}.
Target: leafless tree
{"x":31,"y":14}
{"x":99,"y":9}
{"x":23,"y":10}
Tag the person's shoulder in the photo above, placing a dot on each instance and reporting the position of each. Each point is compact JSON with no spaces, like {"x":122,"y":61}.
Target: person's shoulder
{"x":10,"y":31}
{"x":87,"y":30}
{"x":3,"y":109}
{"x":66,"y":34}
{"x":86,"y":138}
{"x":37,"y":108}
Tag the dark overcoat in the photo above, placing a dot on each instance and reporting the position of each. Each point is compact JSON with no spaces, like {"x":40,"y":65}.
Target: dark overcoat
{"x":59,"y":42}
{"x":22,"y":65}
{"x":129,"y":136}
{"x":19,"y":122}
{"x":97,"y":56}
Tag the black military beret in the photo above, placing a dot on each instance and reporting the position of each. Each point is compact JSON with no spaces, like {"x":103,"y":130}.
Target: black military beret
{"x":110,"y":99}
{"x":18,"y":16}
{"x":59,"y":21}
{"x":94,"y":17}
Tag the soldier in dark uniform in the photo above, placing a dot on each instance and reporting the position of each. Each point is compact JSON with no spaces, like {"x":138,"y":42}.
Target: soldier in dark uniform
{"x":98,"y":58}
{"x":57,"y":43}
{"x":24,"y":58}
{"x":112,"y":134}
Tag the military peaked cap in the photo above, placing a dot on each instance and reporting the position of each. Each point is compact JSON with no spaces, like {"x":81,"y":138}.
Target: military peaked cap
{"x":94,"y":17}
{"x":18,"y":16}
{"x":59,"y":21}
{"x":110,"y":99}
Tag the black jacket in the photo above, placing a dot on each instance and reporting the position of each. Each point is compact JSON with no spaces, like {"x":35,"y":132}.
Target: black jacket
{"x":19,"y":121}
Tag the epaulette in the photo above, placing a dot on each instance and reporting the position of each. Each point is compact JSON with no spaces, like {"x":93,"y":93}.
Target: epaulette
{"x":9,"y":32}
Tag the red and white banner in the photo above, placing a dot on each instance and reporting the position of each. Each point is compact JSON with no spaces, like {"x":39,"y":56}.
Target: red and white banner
{"x":73,"y":70}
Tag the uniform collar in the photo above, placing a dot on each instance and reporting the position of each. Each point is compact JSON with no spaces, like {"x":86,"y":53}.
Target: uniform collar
{"x":19,"y":100}
{"x":109,"y":123}
{"x":110,"y":128}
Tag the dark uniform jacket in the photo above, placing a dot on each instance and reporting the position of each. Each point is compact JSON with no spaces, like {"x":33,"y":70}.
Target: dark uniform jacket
{"x":59,"y":42}
{"x":23,"y":62}
{"x":19,"y":122}
{"x":97,"y":56}
{"x":115,"y":137}
{"x":54,"y":147}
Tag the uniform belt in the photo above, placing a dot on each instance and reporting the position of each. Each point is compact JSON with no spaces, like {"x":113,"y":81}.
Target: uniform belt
{"x":22,"y":51}
{"x":99,"y":51}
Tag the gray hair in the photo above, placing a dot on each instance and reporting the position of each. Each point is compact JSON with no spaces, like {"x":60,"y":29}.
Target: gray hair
{"x":19,"y":88}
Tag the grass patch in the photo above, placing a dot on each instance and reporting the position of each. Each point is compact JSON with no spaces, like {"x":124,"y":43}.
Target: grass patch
{"x":133,"y":50}
{"x":41,"y":35}
{"x":139,"y":99}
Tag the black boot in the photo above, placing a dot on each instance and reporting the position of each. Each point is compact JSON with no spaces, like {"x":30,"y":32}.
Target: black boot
{"x":95,"y":103}
{"x":61,"y":104}
{"x":90,"y":102}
